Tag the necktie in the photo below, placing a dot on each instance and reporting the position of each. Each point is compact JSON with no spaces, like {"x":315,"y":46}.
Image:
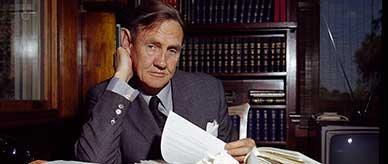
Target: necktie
{"x":160,"y":118}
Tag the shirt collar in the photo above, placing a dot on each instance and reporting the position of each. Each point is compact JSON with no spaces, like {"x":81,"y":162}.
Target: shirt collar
{"x":165,"y":97}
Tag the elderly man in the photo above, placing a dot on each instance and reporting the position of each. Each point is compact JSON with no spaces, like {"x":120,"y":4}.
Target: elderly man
{"x":127,"y":112}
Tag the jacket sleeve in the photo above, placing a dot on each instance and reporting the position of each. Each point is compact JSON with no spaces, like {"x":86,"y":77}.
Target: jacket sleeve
{"x":100,"y":136}
{"x":225,"y":125}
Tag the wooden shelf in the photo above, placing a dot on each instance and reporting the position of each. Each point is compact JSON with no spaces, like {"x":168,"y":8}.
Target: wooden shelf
{"x":227,"y":28}
{"x":271,"y":143}
{"x":249,"y":75}
{"x":269,"y":106}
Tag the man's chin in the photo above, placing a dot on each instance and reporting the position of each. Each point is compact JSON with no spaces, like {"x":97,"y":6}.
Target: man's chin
{"x":153,"y":88}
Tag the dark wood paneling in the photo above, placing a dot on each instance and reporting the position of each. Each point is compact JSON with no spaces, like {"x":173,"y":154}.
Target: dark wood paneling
{"x":98,"y":47}
{"x":69,"y":66}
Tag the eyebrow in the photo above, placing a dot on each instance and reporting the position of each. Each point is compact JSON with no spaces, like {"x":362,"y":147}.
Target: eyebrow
{"x":177,"y":47}
{"x":156,"y":42}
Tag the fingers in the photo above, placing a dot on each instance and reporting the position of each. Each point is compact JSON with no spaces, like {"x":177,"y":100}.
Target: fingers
{"x":241,"y":151}
{"x":240,"y":148}
{"x":123,"y":64}
{"x":240,"y":159}
{"x":240,"y":143}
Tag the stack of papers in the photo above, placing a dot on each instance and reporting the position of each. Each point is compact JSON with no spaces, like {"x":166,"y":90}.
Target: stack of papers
{"x":270,"y":155}
{"x":184,"y":142}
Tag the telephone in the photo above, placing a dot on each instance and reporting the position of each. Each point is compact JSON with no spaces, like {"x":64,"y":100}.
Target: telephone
{"x":118,"y":35}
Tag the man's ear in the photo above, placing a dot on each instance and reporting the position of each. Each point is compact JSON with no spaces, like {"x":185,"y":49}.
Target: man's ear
{"x":126,"y":40}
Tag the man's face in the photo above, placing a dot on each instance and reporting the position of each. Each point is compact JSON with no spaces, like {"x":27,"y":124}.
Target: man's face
{"x":155,"y":54}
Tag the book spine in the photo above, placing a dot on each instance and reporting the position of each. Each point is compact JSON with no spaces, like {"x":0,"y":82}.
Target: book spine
{"x":228,"y":10}
{"x":190,"y":56}
{"x":265,"y":126}
{"x":284,"y":64}
{"x":238,"y":56}
{"x":273,"y":127}
{"x":257,"y":93}
{"x":232,"y":56}
{"x":283,"y":10}
{"x":262,"y":8}
{"x":205,"y":11}
{"x":256,"y":11}
{"x":201,"y":56}
{"x":249,"y":12}
{"x":258,"y":126}
{"x":273,"y":67}
{"x":205,"y":8}
{"x":276,"y":16}
{"x":195,"y":56}
{"x":278,"y":56}
{"x":193,"y":11}
{"x":210,"y":13}
{"x":250,"y":130}
{"x":184,"y":9}
{"x":241,"y":11}
{"x":226,"y":56}
{"x":216,"y":11}
{"x":265,"y":56}
{"x":222,"y":11}
{"x":258,"y":62}
{"x":268,"y":101}
{"x":220,"y":57}
{"x":245,"y":57}
{"x":198,"y":8}
{"x":234,"y":11}
{"x":208,"y":59}
{"x":252,"y":56}
{"x":282,"y":126}
{"x":270,"y":11}
{"x":213,"y":56}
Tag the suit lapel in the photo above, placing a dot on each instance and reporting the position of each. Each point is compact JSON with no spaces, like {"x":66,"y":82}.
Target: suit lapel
{"x":181,"y":97}
{"x":142,"y":118}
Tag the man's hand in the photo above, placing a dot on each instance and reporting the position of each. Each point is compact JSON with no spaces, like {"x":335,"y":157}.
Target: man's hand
{"x":240,"y":148}
{"x":123,"y":64}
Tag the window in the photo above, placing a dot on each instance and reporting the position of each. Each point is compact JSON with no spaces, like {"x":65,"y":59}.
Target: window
{"x":21,"y":73}
{"x":350,"y":55}
{"x":27,"y":53}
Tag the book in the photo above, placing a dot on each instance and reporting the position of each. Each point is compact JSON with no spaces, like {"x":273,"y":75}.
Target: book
{"x":237,"y":68}
{"x":271,"y":155}
{"x":266,"y":93}
{"x":268,"y":100}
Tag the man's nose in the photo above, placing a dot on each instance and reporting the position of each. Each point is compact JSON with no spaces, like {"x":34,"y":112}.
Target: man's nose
{"x":160,"y":61}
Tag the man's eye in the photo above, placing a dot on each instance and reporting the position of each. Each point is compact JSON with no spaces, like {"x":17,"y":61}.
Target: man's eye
{"x":173,"y":51}
{"x":151,"y":46}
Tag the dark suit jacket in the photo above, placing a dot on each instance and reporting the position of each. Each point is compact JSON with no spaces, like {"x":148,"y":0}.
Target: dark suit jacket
{"x":131,"y":137}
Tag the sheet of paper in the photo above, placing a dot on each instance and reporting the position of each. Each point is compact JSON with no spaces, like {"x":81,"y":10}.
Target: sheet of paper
{"x":184,"y":142}
{"x":265,"y":154}
{"x":67,"y":162}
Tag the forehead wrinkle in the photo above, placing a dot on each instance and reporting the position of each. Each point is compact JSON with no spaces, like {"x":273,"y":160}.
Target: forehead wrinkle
{"x":160,"y":33}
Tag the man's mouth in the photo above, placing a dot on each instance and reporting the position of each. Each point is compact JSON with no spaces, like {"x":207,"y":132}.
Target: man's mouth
{"x":158,"y":74}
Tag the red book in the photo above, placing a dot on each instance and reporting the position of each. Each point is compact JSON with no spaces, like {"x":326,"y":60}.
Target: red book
{"x":276,"y":14}
{"x":283,"y":10}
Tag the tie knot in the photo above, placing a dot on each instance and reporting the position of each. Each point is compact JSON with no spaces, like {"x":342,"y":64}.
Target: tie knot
{"x":154,"y":102}
{"x":159,"y":117}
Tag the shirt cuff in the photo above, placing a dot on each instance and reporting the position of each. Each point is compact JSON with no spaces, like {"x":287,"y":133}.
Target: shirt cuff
{"x":122,"y":88}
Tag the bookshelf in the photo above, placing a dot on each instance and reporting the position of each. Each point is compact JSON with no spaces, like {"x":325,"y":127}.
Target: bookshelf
{"x":251,"y":47}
